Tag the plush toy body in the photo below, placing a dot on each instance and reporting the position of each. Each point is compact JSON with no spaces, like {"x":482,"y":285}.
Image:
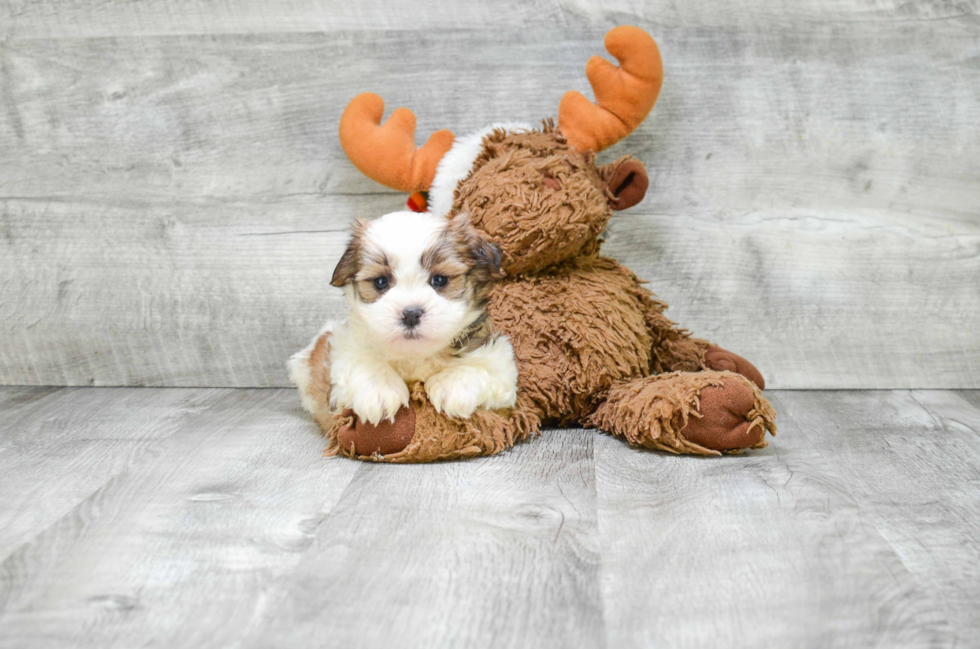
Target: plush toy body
{"x":593,"y":346}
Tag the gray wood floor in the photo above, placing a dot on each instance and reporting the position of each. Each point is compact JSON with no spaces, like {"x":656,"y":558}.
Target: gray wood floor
{"x":208,"y":518}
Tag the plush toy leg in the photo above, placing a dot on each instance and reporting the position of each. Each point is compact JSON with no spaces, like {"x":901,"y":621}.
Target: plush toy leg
{"x":675,"y":350}
{"x":358,"y":438}
{"x":703,"y":413}
{"x":420,"y":434}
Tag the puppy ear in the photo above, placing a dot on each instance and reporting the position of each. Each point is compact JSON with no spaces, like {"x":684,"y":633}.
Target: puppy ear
{"x":481,"y":253}
{"x":488,"y":256}
{"x":350,"y":261}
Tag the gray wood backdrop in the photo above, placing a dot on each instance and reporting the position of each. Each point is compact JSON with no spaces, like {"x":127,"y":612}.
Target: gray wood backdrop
{"x":173,"y":196}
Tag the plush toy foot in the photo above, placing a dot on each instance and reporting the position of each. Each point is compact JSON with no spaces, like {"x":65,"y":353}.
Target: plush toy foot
{"x":720,"y":359}
{"x":363,"y":438}
{"x":725,"y":424}
{"x":420,"y":434}
{"x":702,"y":413}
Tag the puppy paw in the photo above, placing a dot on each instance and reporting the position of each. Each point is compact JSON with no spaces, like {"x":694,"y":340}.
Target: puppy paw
{"x":456,"y":392}
{"x":380,"y":398}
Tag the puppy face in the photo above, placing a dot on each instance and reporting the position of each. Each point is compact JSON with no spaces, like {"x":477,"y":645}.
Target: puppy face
{"x":416,"y":281}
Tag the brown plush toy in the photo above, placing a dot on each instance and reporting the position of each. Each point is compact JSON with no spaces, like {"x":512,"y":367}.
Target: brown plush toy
{"x":593,"y":346}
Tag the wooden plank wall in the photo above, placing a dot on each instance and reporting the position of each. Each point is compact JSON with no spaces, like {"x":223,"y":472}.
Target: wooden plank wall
{"x":173,"y":196}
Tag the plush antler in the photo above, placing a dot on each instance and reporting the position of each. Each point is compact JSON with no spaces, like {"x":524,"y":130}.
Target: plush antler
{"x":624,"y":95}
{"x":387,"y":152}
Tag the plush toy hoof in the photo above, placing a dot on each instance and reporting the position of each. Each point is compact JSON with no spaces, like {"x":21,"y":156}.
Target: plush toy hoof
{"x":724,"y":423}
{"x":720,"y":359}
{"x":385,"y":438}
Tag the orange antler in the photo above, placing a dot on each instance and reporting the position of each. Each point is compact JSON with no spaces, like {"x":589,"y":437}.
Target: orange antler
{"x":387,"y":153}
{"x":624,"y":95}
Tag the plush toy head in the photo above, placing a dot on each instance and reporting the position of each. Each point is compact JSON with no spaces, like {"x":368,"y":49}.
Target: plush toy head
{"x":542,"y":201}
{"x":537,"y":194}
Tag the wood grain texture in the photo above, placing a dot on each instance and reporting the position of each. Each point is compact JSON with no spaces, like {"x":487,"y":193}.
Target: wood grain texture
{"x":770,"y":549}
{"x":857,"y":526}
{"x":912,"y":461}
{"x":162,"y":193}
{"x":179,"y":546}
{"x":198,"y":292}
{"x":24,"y":19}
{"x":83,"y":438}
{"x":497,"y":552}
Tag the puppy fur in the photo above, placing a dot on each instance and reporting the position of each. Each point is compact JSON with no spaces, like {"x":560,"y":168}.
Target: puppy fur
{"x":386,"y":272}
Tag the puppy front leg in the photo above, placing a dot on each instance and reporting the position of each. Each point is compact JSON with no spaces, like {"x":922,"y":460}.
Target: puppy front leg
{"x":371,"y":388}
{"x":483,"y":378}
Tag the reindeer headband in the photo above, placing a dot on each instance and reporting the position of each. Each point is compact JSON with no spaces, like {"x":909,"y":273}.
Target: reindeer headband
{"x":624,"y":96}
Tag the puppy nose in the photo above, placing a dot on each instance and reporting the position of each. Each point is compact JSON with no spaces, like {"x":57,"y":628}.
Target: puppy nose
{"x":411,"y":316}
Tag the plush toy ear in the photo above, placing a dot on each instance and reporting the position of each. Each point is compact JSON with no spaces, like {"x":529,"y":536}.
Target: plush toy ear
{"x":350,"y":261}
{"x":626,"y":182}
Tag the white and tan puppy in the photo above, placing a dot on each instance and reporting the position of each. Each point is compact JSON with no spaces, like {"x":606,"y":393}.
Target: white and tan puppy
{"x":416,"y":285}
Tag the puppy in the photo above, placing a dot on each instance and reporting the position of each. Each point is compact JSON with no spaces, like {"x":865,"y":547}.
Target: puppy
{"x":416,"y":286}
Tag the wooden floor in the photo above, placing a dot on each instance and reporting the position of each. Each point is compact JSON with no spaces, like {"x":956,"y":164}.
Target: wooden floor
{"x":208,"y":518}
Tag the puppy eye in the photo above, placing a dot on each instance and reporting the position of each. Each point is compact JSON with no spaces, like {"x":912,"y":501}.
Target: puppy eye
{"x":438,"y":281}
{"x":381,"y":283}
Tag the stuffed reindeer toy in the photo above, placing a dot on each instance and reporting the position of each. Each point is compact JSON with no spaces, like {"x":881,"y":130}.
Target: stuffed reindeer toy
{"x":592,"y":345}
